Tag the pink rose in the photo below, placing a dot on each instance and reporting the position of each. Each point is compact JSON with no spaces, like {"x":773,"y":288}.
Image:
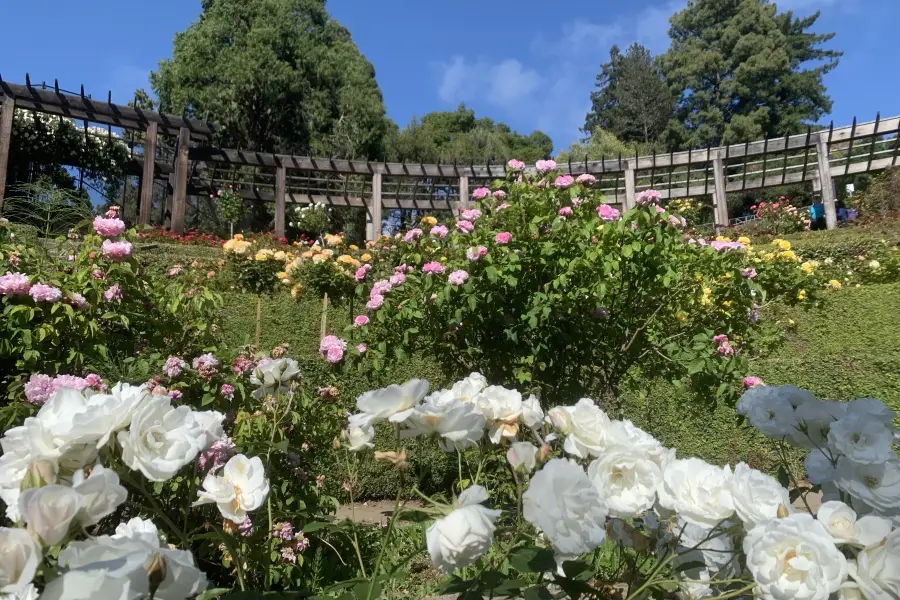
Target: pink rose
{"x":116,"y":251}
{"x":545,"y":166}
{"x":439,"y":231}
{"x":565,"y":211}
{"x":476,"y":253}
{"x":586,"y":179}
{"x":412,"y":235}
{"x":499,"y":194}
{"x":515,"y":165}
{"x":608,"y":213}
{"x":45,"y":293}
{"x":14,"y":284}
{"x":360,"y":274}
{"x":375,"y":302}
{"x":113,"y":293}
{"x":361,"y":348}
{"x":503,"y":206}
{"x":397,"y":279}
{"x":472,"y":214}
{"x":361,"y":320}
{"x":457,"y":277}
{"x":503,"y":238}
{"x":564,"y":181}
{"x":481,"y":193}
{"x":109,"y":227}
{"x":433,"y":267}
{"x":647,"y":197}
{"x":464,"y":226}
{"x":752,"y":382}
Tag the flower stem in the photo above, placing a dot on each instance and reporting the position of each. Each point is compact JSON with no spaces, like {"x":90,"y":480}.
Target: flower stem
{"x":234,"y":555}
{"x":387,"y":537}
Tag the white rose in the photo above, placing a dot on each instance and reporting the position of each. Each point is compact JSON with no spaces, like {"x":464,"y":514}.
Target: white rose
{"x":532,"y":413}
{"x":842,"y":523}
{"x":819,"y":468}
{"x":502,"y":409}
{"x":757,"y":496}
{"x":624,"y":433}
{"x":161,"y":439}
{"x":393,"y":402}
{"x":20,"y":556}
{"x":460,"y":538}
{"x":699,"y":492}
{"x":693,"y":584}
{"x":794,"y":557}
{"x":466,"y":389}
{"x":456,"y":423}
{"x":522,"y":456}
{"x":588,"y":429}
{"x":565,"y":505}
{"x":874,"y":486}
{"x":877,"y":569}
{"x":711,"y":546}
{"x":814,"y":420}
{"x":241,"y":488}
{"x":100,"y":494}
{"x":105,"y":414}
{"x":360,"y":438}
{"x":627,"y":479}
{"x":138,"y":528}
{"x":210,"y":422}
{"x":559,"y":419}
{"x":770,"y":410}
{"x":128,"y":558}
{"x":274,"y":376}
{"x":873,"y":408}
{"x":95,"y":584}
{"x":49,"y":511}
{"x":862,"y":438}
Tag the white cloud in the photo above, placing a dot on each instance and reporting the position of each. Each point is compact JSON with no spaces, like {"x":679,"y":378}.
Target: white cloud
{"x":504,"y":84}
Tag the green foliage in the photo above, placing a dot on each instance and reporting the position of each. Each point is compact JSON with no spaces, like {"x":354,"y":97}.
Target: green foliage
{"x":231,"y":207}
{"x":602,"y":145}
{"x":311,"y":219}
{"x":881,"y":197}
{"x":742,"y":72}
{"x":445,"y":137}
{"x":632,"y":100}
{"x":45,"y":209}
{"x":275,"y":76}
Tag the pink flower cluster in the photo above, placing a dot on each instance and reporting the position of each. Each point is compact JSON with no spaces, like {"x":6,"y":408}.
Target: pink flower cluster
{"x":292,"y":542}
{"x":748,"y":273}
{"x":464,"y":226}
{"x":361,"y":320}
{"x":565,"y":212}
{"x":608,"y":213}
{"x":375,"y":302}
{"x":476,"y":253}
{"x":113,"y":293}
{"x":471,"y":214}
{"x":227,"y":391}
{"x":481,"y":193}
{"x":720,"y":246}
{"x":242,"y":364}
{"x":515,"y":165}
{"x":412,"y":235}
{"x":752,"y":382}
{"x":586,"y":179}
{"x":723,"y":346}
{"x":564,"y":181}
{"x":361,"y":273}
{"x":647,"y":198}
{"x":503,"y":238}
{"x":109,"y":227}
{"x":457,"y":277}
{"x":545,"y":166}
{"x":332,"y":348}
{"x":440,"y":231}
{"x":116,"y":251}
{"x":14,"y":284}
{"x":380,"y":288}
{"x":40,"y":388}
{"x":205,"y":365}
{"x":217,"y":455}
{"x":499,"y":194}
{"x":45,"y":293}
{"x":433,"y":267}
{"x":174,"y":367}
{"x":77,"y":300}
{"x":397,"y":279}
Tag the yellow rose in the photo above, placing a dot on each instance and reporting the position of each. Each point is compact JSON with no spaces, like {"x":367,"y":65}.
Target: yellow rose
{"x":354,"y":247}
{"x":788,"y":255}
{"x":801,"y":295}
{"x":727,"y":304}
{"x":808,"y":268}
{"x":328,"y":252}
{"x":286,"y":281}
{"x":239,"y":237}
{"x":315,"y":249}
{"x":280,"y":255}
{"x":307,"y":254}
{"x":429,"y":221}
{"x":443,"y":259}
{"x":241,"y":247}
{"x":281,"y":275}
{"x":699,"y":277}
{"x":680,"y":316}
{"x":296,"y":290}
{"x":319,"y":258}
{"x":784,"y":244}
{"x":834,"y":284}
{"x":365,"y":257}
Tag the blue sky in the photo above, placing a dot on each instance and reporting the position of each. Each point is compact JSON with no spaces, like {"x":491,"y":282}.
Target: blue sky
{"x":529,"y":63}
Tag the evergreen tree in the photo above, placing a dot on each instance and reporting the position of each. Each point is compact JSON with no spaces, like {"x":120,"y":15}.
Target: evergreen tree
{"x":742,"y":71}
{"x":275,"y":76}
{"x":632,"y":100}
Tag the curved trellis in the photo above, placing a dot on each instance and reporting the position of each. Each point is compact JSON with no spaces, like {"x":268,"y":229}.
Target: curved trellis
{"x":185,"y":162}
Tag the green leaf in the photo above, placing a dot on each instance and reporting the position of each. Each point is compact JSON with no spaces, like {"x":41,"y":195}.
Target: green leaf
{"x":530,"y":559}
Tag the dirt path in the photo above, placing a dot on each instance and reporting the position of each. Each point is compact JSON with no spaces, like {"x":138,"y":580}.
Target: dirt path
{"x":376,"y":512}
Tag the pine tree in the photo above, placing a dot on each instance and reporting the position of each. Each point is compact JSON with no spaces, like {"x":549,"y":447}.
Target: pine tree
{"x":742,"y":71}
{"x":632,"y":100}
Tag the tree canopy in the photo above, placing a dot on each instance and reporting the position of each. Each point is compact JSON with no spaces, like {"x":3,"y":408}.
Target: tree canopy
{"x":275,"y":76}
{"x":631,"y":101}
{"x":742,"y":71}
{"x":457,"y":135}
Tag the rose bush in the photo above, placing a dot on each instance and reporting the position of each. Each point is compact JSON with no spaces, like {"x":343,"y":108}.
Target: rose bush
{"x":575,"y":301}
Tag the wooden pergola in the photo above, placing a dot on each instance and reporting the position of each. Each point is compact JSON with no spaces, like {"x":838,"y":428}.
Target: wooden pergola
{"x":197,"y":167}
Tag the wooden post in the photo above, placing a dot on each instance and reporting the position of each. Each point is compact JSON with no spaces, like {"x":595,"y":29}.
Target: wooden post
{"x":373,"y":215}
{"x":720,"y":201}
{"x":280,"y":178}
{"x":179,"y":196}
{"x":825,"y":181}
{"x":6,"y":119}
{"x":463,"y":193}
{"x":149,"y":171}
{"x":629,"y":185}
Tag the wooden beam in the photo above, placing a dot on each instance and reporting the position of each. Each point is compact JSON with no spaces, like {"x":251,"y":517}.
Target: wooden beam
{"x":6,"y":119}
{"x":373,"y":226}
{"x":280,"y":175}
{"x":179,"y":195}
{"x":463,"y":193}
{"x":82,"y":107}
{"x":720,"y":200}
{"x":629,"y":185}
{"x":825,"y":180}
{"x":148,"y":174}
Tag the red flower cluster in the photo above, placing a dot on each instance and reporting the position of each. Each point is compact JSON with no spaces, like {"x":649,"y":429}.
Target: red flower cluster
{"x":191,"y":238}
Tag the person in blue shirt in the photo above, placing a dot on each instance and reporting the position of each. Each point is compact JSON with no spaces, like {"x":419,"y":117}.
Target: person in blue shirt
{"x":817,"y":215}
